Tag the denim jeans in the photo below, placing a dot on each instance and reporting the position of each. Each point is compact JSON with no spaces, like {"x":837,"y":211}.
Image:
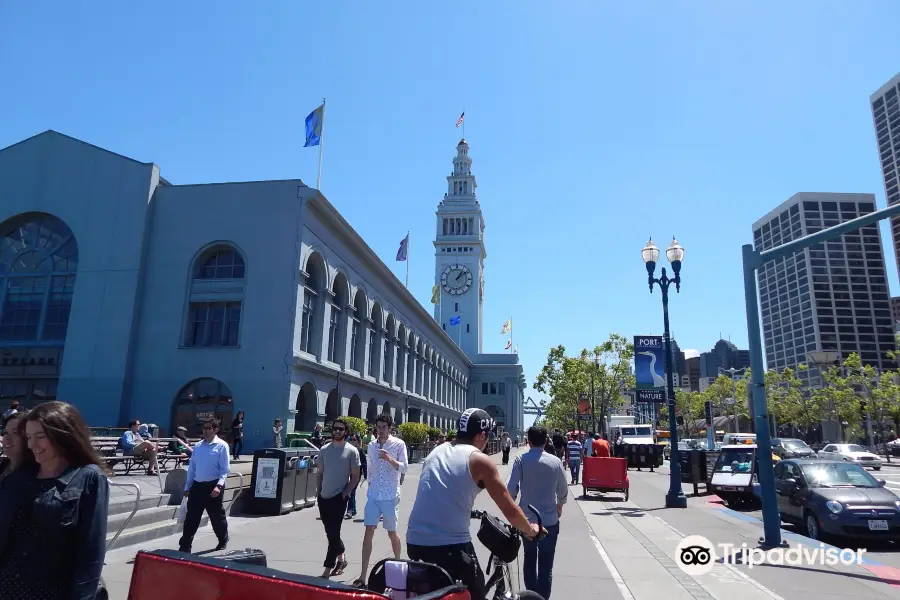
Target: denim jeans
{"x":538,"y":568}
{"x":574,"y":467}
{"x":351,"y":504}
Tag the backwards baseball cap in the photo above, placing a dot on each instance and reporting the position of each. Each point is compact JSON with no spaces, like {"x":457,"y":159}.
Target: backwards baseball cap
{"x":475,"y":421}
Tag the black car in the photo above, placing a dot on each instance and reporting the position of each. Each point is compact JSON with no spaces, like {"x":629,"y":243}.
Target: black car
{"x":792,"y":448}
{"x":830,"y":497}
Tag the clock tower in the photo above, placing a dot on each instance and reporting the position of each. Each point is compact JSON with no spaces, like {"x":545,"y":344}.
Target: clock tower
{"x":459,"y":256}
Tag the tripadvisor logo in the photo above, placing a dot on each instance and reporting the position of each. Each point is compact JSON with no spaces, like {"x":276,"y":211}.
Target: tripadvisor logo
{"x":696,"y":555}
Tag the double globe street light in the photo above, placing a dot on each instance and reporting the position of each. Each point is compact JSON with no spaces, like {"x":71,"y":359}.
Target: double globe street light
{"x":675,"y":254}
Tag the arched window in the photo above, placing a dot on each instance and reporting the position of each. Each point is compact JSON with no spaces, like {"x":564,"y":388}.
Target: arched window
{"x":38,"y":264}
{"x":313,"y":286}
{"x":200,"y":400}
{"x":224,"y":264}
{"x":215,"y":323}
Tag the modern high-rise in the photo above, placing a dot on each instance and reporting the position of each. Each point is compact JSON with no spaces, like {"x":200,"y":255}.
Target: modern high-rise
{"x":886,"y":117}
{"x":724,"y":355}
{"x":831,"y":296}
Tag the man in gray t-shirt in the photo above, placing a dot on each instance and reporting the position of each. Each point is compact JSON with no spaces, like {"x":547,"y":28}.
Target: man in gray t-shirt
{"x":338,"y":476}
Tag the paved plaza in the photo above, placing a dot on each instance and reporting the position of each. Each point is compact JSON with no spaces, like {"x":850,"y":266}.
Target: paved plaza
{"x":607,"y":549}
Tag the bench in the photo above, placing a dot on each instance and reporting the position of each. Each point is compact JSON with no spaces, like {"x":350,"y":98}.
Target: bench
{"x":110,"y":451}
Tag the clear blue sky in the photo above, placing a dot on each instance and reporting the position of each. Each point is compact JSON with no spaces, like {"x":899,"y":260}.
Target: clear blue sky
{"x":592,"y":126}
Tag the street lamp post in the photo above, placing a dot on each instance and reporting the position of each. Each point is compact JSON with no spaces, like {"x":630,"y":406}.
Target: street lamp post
{"x":593,"y":411}
{"x":675,"y":254}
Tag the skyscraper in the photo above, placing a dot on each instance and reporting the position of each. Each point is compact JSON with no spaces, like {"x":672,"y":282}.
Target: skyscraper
{"x":831,"y":296}
{"x":886,"y":116}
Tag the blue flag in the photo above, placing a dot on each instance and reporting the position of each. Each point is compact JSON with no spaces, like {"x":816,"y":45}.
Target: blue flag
{"x":455,"y":320}
{"x":314,"y":127}
{"x":404,"y":249}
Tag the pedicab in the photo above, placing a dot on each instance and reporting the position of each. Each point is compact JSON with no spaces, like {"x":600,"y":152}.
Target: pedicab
{"x":604,"y":475}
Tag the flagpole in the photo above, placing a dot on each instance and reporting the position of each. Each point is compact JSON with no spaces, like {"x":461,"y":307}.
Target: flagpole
{"x":510,"y":334}
{"x":407,"y":260}
{"x":464,"y":123}
{"x":321,"y":143}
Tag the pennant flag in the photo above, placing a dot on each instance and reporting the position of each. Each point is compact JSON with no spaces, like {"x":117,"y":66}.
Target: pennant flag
{"x":508,"y":345}
{"x":436,"y":294}
{"x":314,"y":127}
{"x":462,"y":117}
{"x":455,"y":320}
{"x":404,"y":246}
{"x":507,"y":327}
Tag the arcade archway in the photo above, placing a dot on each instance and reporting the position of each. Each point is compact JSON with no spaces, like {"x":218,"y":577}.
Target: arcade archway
{"x":200,"y":400}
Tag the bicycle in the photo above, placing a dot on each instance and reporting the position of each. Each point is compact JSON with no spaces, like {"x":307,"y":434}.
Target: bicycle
{"x":500,"y":538}
{"x":501,"y":579}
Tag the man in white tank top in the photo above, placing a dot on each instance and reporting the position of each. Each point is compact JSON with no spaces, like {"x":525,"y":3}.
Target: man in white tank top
{"x":453,"y":475}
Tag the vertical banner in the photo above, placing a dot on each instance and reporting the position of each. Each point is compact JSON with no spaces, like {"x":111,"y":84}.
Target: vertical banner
{"x":650,"y":368}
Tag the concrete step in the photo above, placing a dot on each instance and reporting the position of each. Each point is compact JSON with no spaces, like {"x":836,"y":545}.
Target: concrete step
{"x":147,"y":533}
{"x":143,"y":517}
{"x":120,"y":504}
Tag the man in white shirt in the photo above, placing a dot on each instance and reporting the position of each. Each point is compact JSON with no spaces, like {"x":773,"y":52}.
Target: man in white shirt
{"x":204,"y":487}
{"x":387,"y":463}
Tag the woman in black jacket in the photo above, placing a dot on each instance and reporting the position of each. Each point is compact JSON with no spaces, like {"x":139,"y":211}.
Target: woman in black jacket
{"x":53,"y":520}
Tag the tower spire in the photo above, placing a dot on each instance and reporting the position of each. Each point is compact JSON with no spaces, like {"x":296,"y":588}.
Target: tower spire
{"x":461,"y":183}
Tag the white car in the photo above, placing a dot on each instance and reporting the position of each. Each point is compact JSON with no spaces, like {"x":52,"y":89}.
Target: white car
{"x":851,"y":453}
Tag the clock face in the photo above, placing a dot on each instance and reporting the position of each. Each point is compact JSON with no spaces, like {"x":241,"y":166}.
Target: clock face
{"x":456,"y":280}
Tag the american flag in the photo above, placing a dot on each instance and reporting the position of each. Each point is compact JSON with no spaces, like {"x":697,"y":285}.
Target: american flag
{"x":460,"y":120}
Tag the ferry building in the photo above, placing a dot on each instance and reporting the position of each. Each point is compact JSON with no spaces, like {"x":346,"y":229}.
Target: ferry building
{"x":131,"y":296}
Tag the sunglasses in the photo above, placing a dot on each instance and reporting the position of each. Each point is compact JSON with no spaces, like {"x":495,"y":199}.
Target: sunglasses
{"x":338,"y":429}
{"x":208,"y":428}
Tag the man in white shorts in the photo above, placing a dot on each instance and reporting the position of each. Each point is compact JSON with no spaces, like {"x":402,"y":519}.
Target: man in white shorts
{"x":386,"y":463}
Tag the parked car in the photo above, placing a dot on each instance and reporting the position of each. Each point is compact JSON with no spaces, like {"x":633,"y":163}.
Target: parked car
{"x":840,"y":498}
{"x":792,"y":448}
{"x":851,"y":453}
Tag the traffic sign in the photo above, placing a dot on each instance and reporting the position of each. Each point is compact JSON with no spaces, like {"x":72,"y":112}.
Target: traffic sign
{"x":656,"y":396}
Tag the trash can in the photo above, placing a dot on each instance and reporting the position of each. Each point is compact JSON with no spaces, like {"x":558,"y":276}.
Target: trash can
{"x":304,"y":465}
{"x":312,"y":482}
{"x":273,"y":481}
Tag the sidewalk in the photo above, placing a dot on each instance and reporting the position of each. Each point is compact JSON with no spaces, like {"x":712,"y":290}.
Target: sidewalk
{"x":296,"y":543}
{"x":607,"y":549}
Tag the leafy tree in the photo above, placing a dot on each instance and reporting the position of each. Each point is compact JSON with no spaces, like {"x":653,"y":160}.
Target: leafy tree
{"x":840,"y":400}
{"x":413,"y":433}
{"x":356,"y":425}
{"x":691,"y":407}
{"x":565,"y":378}
{"x":791,"y":403}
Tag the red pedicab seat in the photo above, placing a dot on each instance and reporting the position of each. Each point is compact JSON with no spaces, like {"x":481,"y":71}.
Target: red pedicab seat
{"x":170,"y":575}
{"x":601,"y":474}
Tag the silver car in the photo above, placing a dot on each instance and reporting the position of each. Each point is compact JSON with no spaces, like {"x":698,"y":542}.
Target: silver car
{"x":851,"y":453}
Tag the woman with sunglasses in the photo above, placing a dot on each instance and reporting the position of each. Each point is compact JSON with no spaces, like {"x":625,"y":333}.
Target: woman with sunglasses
{"x":57,"y":514}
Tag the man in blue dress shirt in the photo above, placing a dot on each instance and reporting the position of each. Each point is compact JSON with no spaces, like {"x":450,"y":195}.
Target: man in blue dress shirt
{"x":205,"y":487}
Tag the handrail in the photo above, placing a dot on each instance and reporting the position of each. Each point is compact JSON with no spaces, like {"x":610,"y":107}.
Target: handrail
{"x":239,"y":492}
{"x":137,"y":503}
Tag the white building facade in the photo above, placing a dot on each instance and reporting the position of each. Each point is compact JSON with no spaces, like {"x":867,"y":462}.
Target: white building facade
{"x":132,"y":297}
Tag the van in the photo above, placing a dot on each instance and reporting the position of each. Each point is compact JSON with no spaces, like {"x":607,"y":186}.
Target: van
{"x":731,"y":439}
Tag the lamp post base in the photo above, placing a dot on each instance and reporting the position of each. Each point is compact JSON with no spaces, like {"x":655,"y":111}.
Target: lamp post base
{"x":676,"y":500}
